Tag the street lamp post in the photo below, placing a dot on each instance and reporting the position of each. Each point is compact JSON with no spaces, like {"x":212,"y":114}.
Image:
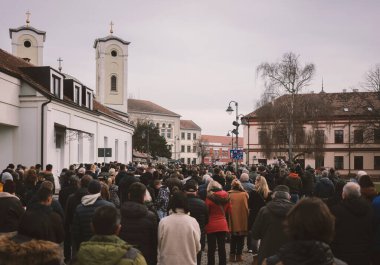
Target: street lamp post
{"x":236,"y":130}
{"x":349,"y":139}
{"x":229,"y":133}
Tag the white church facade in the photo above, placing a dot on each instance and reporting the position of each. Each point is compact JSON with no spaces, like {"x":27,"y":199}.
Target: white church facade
{"x":49,"y":117}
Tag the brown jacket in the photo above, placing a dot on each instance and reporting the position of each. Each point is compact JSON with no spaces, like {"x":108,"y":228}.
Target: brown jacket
{"x":238,"y":221}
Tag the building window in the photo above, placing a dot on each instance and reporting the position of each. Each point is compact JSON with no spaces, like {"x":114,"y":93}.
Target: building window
{"x":163,"y":125}
{"x":88,"y":100}
{"x":262,"y":137}
{"x":169,"y":133}
{"x":189,"y":149}
{"x":113,"y":53}
{"x":113,"y":83}
{"x":163,"y":132}
{"x":194,"y":161}
{"x":76,"y":94}
{"x":194,"y":136}
{"x":169,"y":126}
{"x":194,"y":148}
{"x":376,"y":162}
{"x":182,"y":149}
{"x":116,"y":149}
{"x":183,"y":160}
{"x":157,"y":125}
{"x":27,"y":44}
{"x":319,"y":161}
{"x":338,"y":162}
{"x":57,"y":86}
{"x":183,"y":136}
{"x":376,"y":136}
{"x":358,"y":162}
{"x":358,"y":136}
{"x":300,"y":136}
{"x":319,"y":136}
{"x":188,"y":136}
{"x":338,"y":134}
{"x":188,"y":161}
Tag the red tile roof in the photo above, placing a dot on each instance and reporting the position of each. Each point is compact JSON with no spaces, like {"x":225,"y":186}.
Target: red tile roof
{"x":356,"y":102}
{"x":189,"y":125}
{"x":146,"y":106}
{"x":223,"y":140}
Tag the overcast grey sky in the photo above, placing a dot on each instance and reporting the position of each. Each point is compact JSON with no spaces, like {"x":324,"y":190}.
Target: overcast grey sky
{"x":194,"y":56}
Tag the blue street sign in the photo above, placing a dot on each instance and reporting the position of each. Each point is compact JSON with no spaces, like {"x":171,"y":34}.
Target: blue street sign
{"x":236,"y":154}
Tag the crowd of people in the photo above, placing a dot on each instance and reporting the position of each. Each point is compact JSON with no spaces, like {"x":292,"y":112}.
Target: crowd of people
{"x":115,"y":213}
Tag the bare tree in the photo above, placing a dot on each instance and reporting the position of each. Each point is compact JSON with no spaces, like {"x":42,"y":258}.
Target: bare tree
{"x":287,"y":77}
{"x":372,"y":79}
{"x":273,"y":121}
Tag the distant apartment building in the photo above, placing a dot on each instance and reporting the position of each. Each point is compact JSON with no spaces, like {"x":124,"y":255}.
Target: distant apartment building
{"x":190,"y":135}
{"x":216,"y":149}
{"x":345,"y":137}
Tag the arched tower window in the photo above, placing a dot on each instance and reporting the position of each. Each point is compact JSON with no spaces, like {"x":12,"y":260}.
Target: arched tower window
{"x":113,"y":83}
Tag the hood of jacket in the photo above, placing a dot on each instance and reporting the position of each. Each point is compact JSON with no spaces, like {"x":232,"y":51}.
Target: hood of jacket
{"x":279,"y":207}
{"x":102,"y":250}
{"x":293,"y":175}
{"x":4,"y":195}
{"x":23,"y":250}
{"x":356,"y":206}
{"x":219,"y":197}
{"x":133,"y":210}
{"x":306,"y":253}
{"x":90,"y":199}
{"x":326,"y":181}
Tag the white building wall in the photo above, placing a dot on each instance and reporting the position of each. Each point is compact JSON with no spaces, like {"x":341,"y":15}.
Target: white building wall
{"x":7,"y":154}
{"x":185,"y":142}
{"x":9,"y":100}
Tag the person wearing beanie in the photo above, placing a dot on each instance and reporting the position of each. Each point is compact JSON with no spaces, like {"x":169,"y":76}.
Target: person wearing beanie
{"x":268,"y":225}
{"x":81,"y":227}
{"x":4,"y":177}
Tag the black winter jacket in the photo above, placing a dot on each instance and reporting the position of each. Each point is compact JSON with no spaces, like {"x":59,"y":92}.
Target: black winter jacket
{"x":81,"y":228}
{"x":304,"y":253}
{"x":268,"y":227}
{"x":198,"y":210}
{"x":11,"y":211}
{"x":139,"y":228}
{"x":353,"y":231}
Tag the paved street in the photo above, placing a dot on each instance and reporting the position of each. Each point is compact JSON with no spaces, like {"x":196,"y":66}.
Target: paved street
{"x":247,"y":257}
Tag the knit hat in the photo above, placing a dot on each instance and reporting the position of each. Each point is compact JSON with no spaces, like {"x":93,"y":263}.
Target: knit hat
{"x":282,"y":188}
{"x":94,"y":187}
{"x":6,"y":176}
{"x":361,"y":173}
{"x":82,"y":170}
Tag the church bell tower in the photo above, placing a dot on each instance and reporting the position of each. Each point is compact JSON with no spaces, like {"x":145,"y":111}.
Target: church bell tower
{"x":28,"y":42}
{"x":111,"y":71}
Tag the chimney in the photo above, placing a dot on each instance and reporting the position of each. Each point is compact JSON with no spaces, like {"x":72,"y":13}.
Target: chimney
{"x":355,"y":90}
{"x":344,"y":90}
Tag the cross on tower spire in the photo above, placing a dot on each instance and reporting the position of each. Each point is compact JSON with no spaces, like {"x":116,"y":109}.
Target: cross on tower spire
{"x":60,"y":64}
{"x":27,"y":18}
{"x":111,"y":29}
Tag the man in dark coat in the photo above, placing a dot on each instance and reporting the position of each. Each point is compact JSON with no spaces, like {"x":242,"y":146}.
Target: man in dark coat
{"x":42,"y":210}
{"x":126,"y":179}
{"x":353,"y":227}
{"x":268,"y":225}
{"x":308,"y":179}
{"x":81,"y":228}
{"x":324,"y":188}
{"x":198,"y":210}
{"x":11,"y":208}
{"x":138,"y":224}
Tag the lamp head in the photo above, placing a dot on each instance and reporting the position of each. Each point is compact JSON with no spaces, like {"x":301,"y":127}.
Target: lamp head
{"x":228,"y":134}
{"x":235,"y":123}
{"x":234,"y":131}
{"x":229,"y":110}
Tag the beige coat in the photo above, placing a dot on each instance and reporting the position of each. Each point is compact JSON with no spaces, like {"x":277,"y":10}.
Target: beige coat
{"x":179,"y":238}
{"x":238,"y":221}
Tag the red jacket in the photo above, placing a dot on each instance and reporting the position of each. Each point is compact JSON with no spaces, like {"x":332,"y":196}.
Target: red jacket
{"x":217,"y":217}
